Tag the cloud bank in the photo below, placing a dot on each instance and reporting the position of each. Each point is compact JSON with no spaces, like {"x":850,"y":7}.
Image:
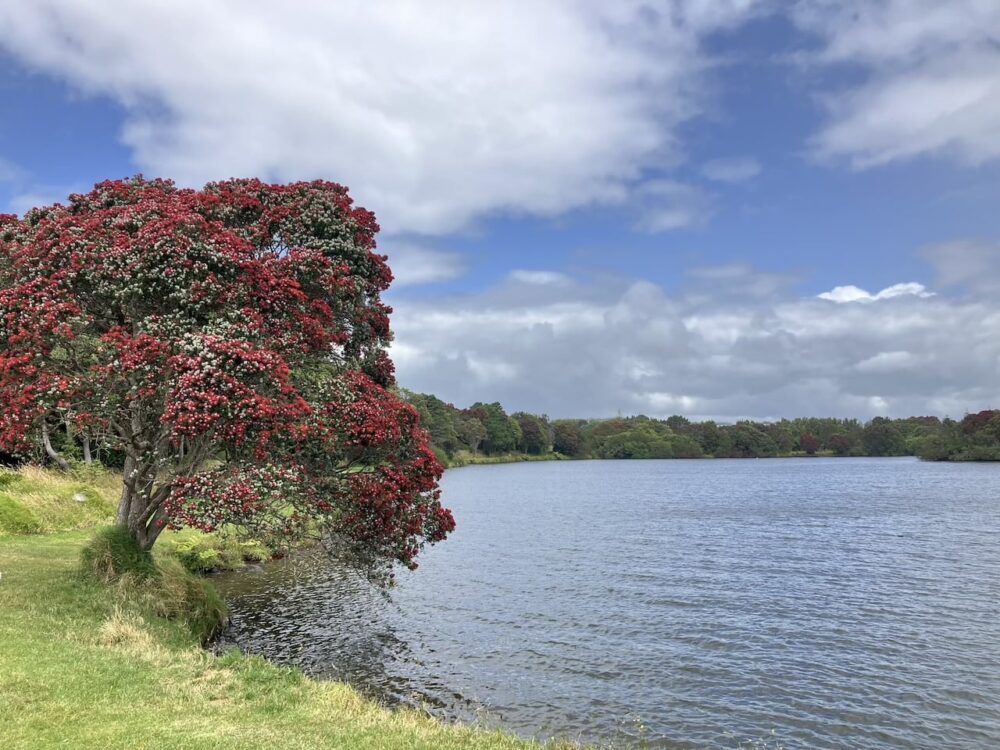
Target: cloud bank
{"x":733,"y":343}
{"x":439,"y":114}
{"x":435,"y":113}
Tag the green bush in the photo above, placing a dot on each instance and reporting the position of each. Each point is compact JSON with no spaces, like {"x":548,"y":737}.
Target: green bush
{"x":979,"y":453}
{"x":200,"y":557}
{"x":207,"y":553}
{"x":254,"y":551}
{"x":16,"y":519}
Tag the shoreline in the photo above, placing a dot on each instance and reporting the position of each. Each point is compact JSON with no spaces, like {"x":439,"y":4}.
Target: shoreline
{"x":122,"y":664}
{"x":514,"y":458}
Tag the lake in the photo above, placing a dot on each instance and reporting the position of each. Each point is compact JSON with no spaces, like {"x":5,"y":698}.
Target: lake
{"x":820,"y":603}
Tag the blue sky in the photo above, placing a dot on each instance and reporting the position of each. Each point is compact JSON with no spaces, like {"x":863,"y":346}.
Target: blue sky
{"x":591,"y":208}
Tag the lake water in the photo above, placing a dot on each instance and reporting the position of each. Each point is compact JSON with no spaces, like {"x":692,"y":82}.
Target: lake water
{"x":821,"y":603}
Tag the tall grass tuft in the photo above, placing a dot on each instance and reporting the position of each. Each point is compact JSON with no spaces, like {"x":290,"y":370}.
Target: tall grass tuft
{"x":178,"y":594}
{"x":163,"y":585}
{"x":113,"y":553}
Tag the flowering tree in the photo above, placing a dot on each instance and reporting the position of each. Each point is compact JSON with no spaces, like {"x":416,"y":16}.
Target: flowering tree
{"x":231,"y":344}
{"x":809,"y":443}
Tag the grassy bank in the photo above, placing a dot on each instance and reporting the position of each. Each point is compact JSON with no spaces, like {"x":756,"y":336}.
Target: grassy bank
{"x":466,"y":458}
{"x":86,"y":663}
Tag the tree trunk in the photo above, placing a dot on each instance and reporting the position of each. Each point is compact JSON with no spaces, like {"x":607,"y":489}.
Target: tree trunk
{"x":140,"y":509}
{"x":51,"y":452}
{"x":138,"y":513}
{"x":87,"y":457}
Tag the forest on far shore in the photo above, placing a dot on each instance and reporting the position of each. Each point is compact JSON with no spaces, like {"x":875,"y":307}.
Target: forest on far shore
{"x":486,"y":429}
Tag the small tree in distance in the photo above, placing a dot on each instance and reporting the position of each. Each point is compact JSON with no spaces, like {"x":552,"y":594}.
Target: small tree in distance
{"x":809,"y":443}
{"x":230,"y":342}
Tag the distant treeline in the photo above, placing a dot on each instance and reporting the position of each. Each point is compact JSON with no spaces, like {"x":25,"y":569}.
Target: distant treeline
{"x":487,"y":430}
{"x":486,"y":433}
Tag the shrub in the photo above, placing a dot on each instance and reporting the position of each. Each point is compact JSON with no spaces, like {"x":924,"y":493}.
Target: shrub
{"x":979,"y":453}
{"x":204,"y":554}
{"x":207,"y":553}
{"x":254,"y":551}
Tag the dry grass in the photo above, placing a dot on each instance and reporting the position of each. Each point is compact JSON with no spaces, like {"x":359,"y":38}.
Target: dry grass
{"x":128,"y":632}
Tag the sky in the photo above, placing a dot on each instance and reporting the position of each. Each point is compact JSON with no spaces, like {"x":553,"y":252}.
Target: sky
{"x":719,"y":208}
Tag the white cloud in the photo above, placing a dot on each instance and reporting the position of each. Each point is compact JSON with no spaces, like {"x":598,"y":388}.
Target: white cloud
{"x":539,"y":278}
{"x":736,"y":169}
{"x":930,"y":83}
{"x":413,"y":265}
{"x":591,"y":348}
{"x":851,"y":293}
{"x":887,"y":362}
{"x":666,"y":205}
{"x":434,"y":113}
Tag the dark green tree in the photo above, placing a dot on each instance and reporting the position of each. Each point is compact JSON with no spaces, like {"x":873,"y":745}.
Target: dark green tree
{"x":503,"y":434}
{"x":534,"y":434}
{"x":471,"y":431}
{"x":882,"y":437}
{"x":568,"y":437}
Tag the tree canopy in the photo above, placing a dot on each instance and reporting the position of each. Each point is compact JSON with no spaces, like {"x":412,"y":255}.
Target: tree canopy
{"x":230,"y":344}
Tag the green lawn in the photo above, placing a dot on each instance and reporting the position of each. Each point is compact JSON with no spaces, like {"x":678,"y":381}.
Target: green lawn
{"x":88,"y":665}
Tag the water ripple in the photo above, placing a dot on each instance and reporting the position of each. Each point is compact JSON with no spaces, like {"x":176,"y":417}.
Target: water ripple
{"x":677,"y":604}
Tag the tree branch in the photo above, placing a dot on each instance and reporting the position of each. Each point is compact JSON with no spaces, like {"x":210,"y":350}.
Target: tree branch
{"x":52,"y":453}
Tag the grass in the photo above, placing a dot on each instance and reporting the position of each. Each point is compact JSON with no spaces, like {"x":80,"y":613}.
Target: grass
{"x":36,"y":501}
{"x":56,"y":502}
{"x":113,"y":660}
